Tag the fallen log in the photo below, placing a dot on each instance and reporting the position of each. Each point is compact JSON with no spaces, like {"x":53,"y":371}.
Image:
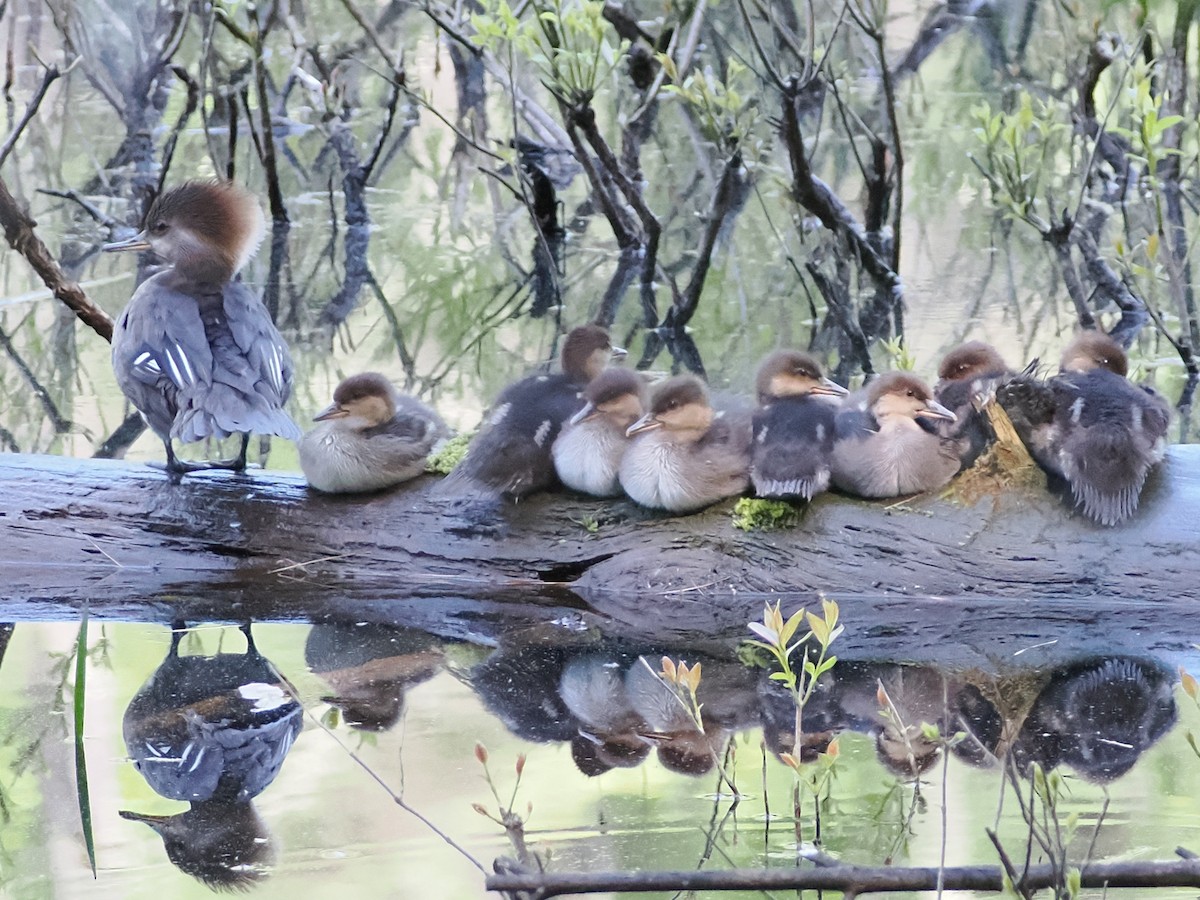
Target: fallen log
{"x":121,"y":537}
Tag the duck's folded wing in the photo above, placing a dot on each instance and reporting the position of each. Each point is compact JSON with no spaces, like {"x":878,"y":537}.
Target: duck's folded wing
{"x":260,"y":342}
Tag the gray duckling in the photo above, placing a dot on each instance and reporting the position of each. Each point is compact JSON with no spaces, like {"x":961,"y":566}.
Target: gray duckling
{"x":685,"y":455}
{"x":793,"y":426}
{"x":887,"y":446}
{"x":195,"y":351}
{"x":1093,"y":431}
{"x":371,"y":437}
{"x":587,"y":454}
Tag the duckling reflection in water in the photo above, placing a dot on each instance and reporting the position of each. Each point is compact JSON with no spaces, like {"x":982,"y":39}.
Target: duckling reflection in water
{"x":371,"y":437}
{"x":1091,"y":429}
{"x":511,"y":454}
{"x":793,"y":426}
{"x":1098,"y":717}
{"x":685,"y":455}
{"x":887,"y":447}
{"x":195,"y":351}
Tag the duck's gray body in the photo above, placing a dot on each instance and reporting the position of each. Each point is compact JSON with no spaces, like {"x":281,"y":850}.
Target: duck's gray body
{"x":202,"y":359}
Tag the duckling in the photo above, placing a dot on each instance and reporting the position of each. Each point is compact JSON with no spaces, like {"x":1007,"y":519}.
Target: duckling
{"x":685,"y":455}
{"x":511,"y":454}
{"x":587,"y":454}
{"x":371,"y":437}
{"x":1091,"y":429}
{"x":195,"y":351}
{"x":888,"y":449}
{"x":793,"y":426}
{"x":969,"y":371}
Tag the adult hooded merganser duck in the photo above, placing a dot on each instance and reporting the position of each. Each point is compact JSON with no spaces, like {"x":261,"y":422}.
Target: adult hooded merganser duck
{"x":587,"y":454}
{"x":793,"y":426}
{"x":886,"y":447}
{"x":195,"y":351}
{"x":371,"y":437}
{"x":1091,"y":428}
{"x":968,"y":372}
{"x":685,"y":455}
{"x":511,"y":453}
{"x":212,"y":727}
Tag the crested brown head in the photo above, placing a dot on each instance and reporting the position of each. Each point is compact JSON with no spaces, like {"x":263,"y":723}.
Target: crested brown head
{"x":971,"y":360}
{"x":613,"y":384}
{"x":791,"y":373}
{"x":586,"y":352}
{"x":679,"y":404}
{"x":362,"y":386}
{"x":209,"y":229}
{"x":904,"y":394}
{"x":677,"y":392}
{"x":364,"y":401}
{"x":1095,"y":350}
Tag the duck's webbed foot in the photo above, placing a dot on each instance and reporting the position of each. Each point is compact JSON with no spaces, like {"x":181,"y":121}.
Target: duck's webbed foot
{"x":236,"y":463}
{"x":176,"y":468}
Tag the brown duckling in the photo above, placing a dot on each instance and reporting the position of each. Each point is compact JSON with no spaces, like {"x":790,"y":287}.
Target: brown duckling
{"x":587,"y":454}
{"x":968,"y":372}
{"x":371,"y":437}
{"x":685,"y":455}
{"x":793,"y":426}
{"x":889,"y":448}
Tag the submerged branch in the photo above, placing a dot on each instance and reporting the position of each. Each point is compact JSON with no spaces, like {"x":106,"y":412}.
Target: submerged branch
{"x":849,"y":878}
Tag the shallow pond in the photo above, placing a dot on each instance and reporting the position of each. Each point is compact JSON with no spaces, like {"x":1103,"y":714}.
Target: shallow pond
{"x":327,"y":723}
{"x":294,"y":788}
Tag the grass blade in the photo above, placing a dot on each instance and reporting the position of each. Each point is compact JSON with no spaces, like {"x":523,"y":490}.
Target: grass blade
{"x":81,"y":782}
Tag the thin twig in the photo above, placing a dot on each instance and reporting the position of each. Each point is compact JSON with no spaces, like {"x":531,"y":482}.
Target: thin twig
{"x":52,"y":74}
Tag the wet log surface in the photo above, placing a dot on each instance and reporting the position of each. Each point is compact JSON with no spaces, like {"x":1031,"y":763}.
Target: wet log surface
{"x":121,"y":538}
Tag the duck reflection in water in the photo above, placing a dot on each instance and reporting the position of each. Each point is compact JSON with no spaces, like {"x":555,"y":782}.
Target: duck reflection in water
{"x":1098,"y":717}
{"x":610,"y":735}
{"x":609,"y":704}
{"x":625,"y":708}
{"x":887,"y":701}
{"x":213,"y":731}
{"x":371,"y":669}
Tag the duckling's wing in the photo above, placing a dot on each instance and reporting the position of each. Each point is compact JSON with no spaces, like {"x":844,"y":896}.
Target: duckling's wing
{"x":724,"y":452}
{"x":411,"y":432}
{"x":853,"y":423}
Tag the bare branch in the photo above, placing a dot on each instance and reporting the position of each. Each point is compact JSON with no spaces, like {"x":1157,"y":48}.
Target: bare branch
{"x":19,"y":232}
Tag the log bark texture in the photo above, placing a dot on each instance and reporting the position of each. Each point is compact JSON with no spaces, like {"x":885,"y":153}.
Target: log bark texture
{"x":120,"y":537}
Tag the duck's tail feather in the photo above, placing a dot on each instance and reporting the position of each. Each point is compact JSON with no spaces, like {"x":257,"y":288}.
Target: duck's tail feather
{"x":1106,"y":470}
